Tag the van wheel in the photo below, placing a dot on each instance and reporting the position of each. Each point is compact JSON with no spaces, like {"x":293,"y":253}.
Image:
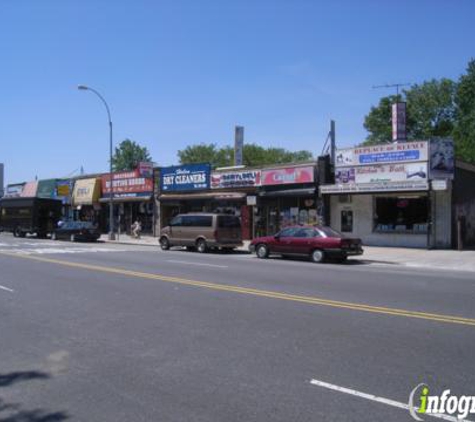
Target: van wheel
{"x":317,"y":256}
{"x":262,"y":251}
{"x":201,"y":246}
{"x":164,"y":244}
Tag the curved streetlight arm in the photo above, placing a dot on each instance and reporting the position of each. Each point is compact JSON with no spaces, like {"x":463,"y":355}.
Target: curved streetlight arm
{"x":87,"y":88}
{"x":111,"y":192}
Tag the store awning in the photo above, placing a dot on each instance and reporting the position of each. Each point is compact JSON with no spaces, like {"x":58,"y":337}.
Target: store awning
{"x":126,"y":199}
{"x":289,"y":192}
{"x":86,"y":191}
{"x":230,"y":196}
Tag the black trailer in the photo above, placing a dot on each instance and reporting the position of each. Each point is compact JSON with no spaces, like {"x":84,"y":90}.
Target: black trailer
{"x":22,"y":216}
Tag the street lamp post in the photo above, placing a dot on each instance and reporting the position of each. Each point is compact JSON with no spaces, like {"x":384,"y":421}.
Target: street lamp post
{"x":111,"y":190}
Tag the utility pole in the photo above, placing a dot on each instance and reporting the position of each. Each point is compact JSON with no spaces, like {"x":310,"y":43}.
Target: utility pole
{"x":332,"y":142}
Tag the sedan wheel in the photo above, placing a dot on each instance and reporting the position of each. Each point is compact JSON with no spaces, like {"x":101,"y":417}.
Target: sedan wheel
{"x":73,"y":238}
{"x":318,"y":256}
{"x":54,"y":236}
{"x":262,"y":251}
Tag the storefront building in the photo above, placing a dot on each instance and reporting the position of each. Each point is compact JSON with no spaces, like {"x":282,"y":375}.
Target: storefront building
{"x":132,"y":193}
{"x":287,"y":196}
{"x":391,"y":195}
{"x":266,"y":199}
{"x":196,"y":189}
{"x":183,"y":189}
{"x":60,"y":189}
{"x":86,"y":206}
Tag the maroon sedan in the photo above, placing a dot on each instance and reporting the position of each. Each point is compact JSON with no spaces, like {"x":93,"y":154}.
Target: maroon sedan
{"x":316,"y":242}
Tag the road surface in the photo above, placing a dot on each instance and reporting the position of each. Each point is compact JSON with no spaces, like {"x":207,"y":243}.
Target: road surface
{"x":101,"y":332}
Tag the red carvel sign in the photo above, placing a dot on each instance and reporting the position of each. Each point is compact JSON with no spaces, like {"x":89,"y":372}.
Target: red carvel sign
{"x":127,"y":182}
{"x":287,"y":176}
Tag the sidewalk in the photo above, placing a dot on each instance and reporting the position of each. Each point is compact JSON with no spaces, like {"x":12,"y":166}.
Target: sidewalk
{"x":373,"y":255}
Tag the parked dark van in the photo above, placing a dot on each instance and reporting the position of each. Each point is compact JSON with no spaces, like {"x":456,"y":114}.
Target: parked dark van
{"x":202,"y":231}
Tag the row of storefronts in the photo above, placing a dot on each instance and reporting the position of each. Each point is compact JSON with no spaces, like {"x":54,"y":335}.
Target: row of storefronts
{"x":411,"y":194}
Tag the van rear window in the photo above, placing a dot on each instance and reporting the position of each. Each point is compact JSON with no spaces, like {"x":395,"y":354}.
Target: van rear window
{"x":225,"y":221}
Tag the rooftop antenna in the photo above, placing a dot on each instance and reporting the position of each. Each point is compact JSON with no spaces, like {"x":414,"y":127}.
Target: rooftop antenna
{"x":397,"y":86}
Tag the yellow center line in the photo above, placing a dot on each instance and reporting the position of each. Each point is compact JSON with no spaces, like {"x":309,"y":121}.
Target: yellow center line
{"x":313,"y":300}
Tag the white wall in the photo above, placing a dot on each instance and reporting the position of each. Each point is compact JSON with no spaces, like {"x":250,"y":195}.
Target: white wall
{"x":362,"y":207}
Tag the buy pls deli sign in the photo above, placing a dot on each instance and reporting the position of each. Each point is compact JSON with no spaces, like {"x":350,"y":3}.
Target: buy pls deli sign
{"x":287,"y":176}
{"x":126,"y":182}
{"x":236,"y":179}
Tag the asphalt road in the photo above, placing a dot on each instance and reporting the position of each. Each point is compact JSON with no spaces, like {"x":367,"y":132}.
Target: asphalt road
{"x":100,"y":332}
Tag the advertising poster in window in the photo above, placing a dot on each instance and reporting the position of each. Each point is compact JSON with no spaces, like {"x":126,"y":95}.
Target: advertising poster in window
{"x":188,"y":177}
{"x":442,"y":159}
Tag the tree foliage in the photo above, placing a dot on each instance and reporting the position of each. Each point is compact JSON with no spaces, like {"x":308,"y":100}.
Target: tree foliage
{"x":430,"y":112}
{"x":464,"y":131}
{"x":128,"y":154}
{"x":253,"y":155}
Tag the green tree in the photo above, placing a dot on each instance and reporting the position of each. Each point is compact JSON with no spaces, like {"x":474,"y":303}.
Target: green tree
{"x":253,"y":155}
{"x":378,"y":122}
{"x":464,"y":132}
{"x":430,"y":112}
{"x":128,"y":154}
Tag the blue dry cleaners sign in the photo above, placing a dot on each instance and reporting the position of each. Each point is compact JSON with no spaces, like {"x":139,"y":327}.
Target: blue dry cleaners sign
{"x":185,"y":178}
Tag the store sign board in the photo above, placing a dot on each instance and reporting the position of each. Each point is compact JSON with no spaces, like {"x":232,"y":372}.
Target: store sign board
{"x":126,"y":182}
{"x":236,"y":179}
{"x":287,"y":176}
{"x":188,"y":177}
{"x":399,"y":121}
{"x":145,"y":169}
{"x":238,"y":145}
{"x":375,"y":187}
{"x":379,"y":154}
{"x":442,"y":160}
{"x":381,"y":173}
{"x":251,"y":200}
{"x":439,"y":185}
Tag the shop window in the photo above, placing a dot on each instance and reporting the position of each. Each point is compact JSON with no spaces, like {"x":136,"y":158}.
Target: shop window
{"x":347,"y":221}
{"x":401,"y":214}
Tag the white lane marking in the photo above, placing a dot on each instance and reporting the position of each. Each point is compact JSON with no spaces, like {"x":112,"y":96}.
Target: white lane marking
{"x":68,"y":250}
{"x":7,"y":289}
{"x":196,"y":263}
{"x":377,"y":399}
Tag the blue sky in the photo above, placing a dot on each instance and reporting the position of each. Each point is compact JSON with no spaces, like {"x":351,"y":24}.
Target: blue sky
{"x":181,"y":72}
